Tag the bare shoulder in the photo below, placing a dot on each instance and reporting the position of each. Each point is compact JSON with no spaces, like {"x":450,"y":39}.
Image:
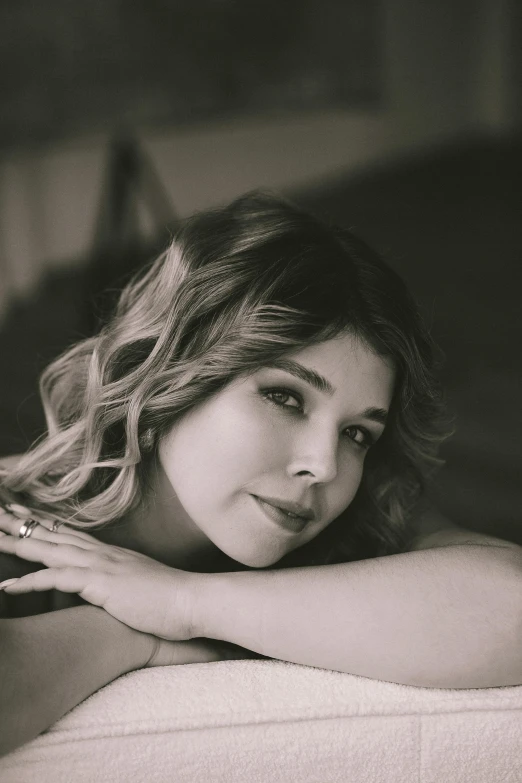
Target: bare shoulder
{"x":433,"y":529}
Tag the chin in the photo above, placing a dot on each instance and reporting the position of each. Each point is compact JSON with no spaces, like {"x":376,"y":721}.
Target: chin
{"x":255,"y":559}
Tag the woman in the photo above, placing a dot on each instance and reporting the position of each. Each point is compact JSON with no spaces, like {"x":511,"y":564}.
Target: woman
{"x":228,"y":467}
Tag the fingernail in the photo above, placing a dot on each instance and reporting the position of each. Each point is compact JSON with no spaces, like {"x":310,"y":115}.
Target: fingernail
{"x":8,"y":583}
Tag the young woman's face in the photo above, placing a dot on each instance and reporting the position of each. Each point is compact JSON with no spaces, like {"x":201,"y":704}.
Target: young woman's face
{"x":268,"y":462}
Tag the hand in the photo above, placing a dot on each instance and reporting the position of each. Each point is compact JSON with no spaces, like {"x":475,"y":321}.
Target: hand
{"x":133,"y":588}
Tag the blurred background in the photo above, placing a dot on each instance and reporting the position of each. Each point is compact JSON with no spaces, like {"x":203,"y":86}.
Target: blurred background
{"x":397,"y":118}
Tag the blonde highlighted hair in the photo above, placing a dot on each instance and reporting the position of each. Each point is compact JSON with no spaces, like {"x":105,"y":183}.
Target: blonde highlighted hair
{"x":238,"y":287}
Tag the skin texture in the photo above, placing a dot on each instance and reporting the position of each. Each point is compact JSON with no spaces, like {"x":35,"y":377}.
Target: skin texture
{"x":270,"y":435}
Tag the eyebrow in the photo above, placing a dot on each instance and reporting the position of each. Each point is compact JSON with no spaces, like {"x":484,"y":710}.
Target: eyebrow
{"x":322,"y":384}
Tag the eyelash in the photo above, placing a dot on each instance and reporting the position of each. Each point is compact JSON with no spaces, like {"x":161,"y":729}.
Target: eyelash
{"x":268,"y":395}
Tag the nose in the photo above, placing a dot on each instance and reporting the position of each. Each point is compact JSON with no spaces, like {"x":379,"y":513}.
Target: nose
{"x":315,"y":456}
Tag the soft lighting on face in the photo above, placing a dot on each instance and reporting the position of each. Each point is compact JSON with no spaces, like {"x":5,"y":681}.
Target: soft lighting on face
{"x":283,"y":445}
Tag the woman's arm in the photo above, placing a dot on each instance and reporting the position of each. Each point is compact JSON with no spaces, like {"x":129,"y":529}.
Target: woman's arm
{"x":449,"y":617}
{"x":51,"y":662}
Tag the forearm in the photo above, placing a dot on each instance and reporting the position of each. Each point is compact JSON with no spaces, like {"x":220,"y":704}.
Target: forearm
{"x":448,"y":617}
{"x":51,"y":662}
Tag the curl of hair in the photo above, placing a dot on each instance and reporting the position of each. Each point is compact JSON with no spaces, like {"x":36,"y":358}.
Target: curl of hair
{"x":238,"y":287}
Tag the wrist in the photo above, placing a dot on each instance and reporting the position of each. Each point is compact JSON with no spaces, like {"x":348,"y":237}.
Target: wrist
{"x":222,"y":609}
{"x":212,"y":606}
{"x":205,"y":591}
{"x":128,"y":649}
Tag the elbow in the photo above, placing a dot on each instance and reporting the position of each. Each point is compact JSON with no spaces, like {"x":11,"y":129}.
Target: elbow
{"x":491,"y":651}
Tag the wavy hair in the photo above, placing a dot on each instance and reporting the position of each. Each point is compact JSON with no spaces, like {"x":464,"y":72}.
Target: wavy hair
{"x":238,"y":287}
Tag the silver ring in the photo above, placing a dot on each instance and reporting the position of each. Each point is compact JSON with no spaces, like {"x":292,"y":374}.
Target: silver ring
{"x":27,"y":528}
{"x":54,"y":527}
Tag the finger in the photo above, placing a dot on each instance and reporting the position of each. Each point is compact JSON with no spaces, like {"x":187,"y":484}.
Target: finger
{"x":15,"y":508}
{"x":66,"y":580}
{"x":13,"y":511}
{"x":46,"y":552}
{"x":11,"y":524}
{"x":72,"y":531}
{"x":64,"y":535}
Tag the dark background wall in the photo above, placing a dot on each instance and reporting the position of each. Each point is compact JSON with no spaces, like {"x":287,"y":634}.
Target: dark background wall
{"x":151,"y":62}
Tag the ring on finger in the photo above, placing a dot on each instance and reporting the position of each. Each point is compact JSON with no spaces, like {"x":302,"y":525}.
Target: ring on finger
{"x":53,"y":528}
{"x":27,"y":528}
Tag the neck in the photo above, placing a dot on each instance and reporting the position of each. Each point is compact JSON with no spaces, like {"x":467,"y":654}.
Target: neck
{"x":160,"y":528}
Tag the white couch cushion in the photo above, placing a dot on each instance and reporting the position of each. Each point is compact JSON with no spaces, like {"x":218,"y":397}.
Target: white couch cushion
{"x":267,"y":721}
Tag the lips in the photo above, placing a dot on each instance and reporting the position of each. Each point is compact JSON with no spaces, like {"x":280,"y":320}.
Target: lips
{"x":294,"y":509}
{"x":290,"y":516}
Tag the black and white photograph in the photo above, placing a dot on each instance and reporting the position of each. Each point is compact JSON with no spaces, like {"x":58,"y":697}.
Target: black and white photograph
{"x":260,"y":391}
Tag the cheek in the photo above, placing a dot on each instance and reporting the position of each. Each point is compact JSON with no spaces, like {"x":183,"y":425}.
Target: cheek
{"x":215,"y":450}
{"x":348,"y":482}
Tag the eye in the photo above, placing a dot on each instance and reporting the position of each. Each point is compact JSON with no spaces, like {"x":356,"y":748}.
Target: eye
{"x":292,"y":402}
{"x":361,"y":436}
{"x":283,"y":398}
